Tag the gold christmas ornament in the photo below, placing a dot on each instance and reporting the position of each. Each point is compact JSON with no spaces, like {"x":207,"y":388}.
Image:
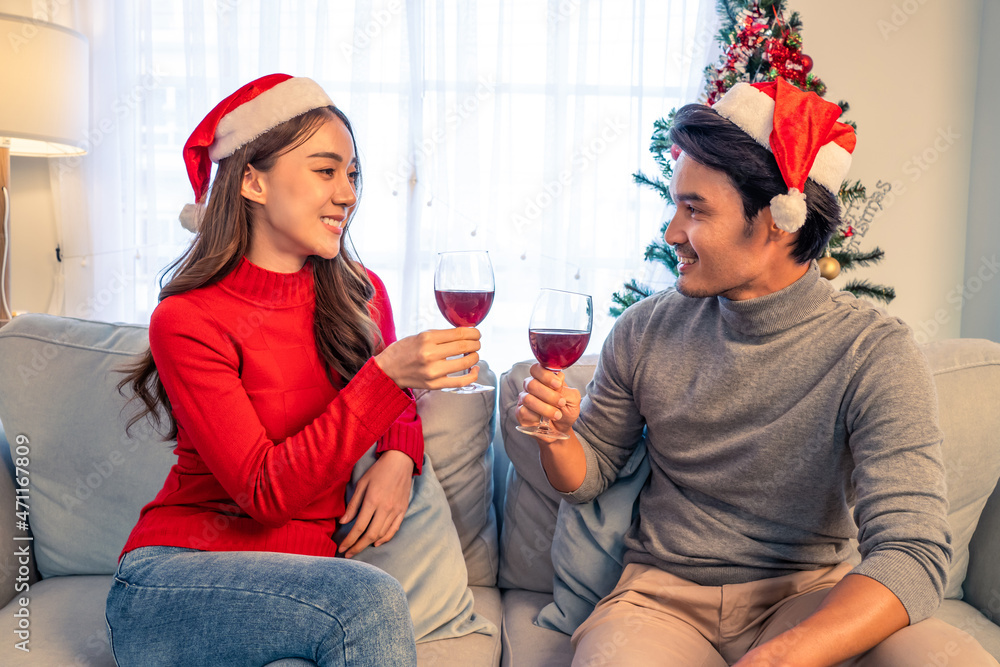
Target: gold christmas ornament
{"x":829,"y":268}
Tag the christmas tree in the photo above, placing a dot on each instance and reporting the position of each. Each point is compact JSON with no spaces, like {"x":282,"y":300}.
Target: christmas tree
{"x":760,"y":44}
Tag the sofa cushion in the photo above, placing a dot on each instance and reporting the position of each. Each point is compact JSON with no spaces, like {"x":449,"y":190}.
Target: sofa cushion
{"x":458,"y":430}
{"x":425,"y":556}
{"x":588,"y":551}
{"x":67,"y":623}
{"x":526,"y":644}
{"x":531,"y":504}
{"x":88,"y":481}
{"x":967,"y":378}
{"x":477,"y":650}
{"x":526,"y":541}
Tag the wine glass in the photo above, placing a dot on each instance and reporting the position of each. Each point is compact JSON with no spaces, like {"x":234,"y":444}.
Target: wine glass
{"x":558,"y":333}
{"x":463,"y":289}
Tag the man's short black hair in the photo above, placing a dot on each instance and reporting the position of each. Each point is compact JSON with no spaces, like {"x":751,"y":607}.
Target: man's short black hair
{"x":720,"y":144}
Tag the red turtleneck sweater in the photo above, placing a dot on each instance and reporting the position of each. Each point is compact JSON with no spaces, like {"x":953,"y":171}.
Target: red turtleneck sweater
{"x":265,"y":443}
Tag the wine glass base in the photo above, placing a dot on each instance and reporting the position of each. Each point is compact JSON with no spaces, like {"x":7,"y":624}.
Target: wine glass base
{"x":543,"y":432}
{"x":474,"y":388}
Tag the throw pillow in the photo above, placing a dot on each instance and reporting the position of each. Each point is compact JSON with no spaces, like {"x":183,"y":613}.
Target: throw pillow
{"x":530,"y":504}
{"x":588,"y":550}
{"x":458,"y":432}
{"x":88,"y":480}
{"x":425,"y":556}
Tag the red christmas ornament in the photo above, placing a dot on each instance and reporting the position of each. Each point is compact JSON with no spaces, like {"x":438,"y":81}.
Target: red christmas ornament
{"x":849,"y":232}
{"x":807,"y":63}
{"x":675,"y":152}
{"x":794,"y":69}
{"x":788,"y":62}
{"x":777,"y":53}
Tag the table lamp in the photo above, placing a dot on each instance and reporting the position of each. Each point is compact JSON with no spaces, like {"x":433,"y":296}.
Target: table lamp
{"x":44,"y":107}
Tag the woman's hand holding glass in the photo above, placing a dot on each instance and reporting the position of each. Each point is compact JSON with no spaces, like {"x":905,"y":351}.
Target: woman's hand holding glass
{"x":464,"y":288}
{"x":421,"y":361}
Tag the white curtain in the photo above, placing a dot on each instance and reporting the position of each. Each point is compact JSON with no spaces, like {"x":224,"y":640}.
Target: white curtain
{"x":505,"y":125}
{"x":101,"y":201}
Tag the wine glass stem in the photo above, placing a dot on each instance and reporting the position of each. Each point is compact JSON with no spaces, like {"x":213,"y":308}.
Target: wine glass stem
{"x":543,"y":421}
{"x":469,"y":387}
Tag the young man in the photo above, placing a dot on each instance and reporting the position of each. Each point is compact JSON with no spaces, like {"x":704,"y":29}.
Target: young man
{"x":771,"y":405}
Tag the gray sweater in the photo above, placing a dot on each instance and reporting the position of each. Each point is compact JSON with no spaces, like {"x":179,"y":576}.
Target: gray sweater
{"x":767,"y":419}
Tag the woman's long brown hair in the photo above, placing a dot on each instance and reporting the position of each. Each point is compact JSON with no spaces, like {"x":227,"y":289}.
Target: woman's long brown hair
{"x":346,"y":336}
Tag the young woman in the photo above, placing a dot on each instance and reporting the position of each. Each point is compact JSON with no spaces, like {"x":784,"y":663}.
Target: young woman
{"x":273,"y":357}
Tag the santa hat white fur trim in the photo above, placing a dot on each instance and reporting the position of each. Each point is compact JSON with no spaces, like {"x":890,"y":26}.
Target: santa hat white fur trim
{"x":191,"y":217}
{"x":831,"y":166}
{"x":789,"y":211}
{"x":286,"y":100}
{"x":752,"y":111}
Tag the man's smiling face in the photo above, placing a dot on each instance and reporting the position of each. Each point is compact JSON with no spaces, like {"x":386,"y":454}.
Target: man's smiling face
{"x":720,"y":255}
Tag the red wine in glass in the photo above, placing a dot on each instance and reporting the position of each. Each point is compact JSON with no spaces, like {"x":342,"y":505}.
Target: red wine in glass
{"x":464,"y":308}
{"x":463,"y":289}
{"x":557,"y":349}
{"x":558,"y":333}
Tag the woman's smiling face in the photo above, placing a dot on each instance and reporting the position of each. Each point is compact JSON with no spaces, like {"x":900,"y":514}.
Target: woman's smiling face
{"x":305,"y":200}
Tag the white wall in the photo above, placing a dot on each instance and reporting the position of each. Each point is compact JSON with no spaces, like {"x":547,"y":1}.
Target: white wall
{"x":908,"y":69}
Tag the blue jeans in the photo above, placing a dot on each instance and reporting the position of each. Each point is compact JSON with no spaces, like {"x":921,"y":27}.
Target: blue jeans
{"x":173,"y":606}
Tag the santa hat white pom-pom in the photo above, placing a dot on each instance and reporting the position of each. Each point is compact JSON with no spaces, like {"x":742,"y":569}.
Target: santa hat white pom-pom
{"x":191,"y":217}
{"x":789,"y":211}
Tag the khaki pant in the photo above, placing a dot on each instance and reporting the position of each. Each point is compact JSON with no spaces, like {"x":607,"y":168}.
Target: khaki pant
{"x":654,"y":618}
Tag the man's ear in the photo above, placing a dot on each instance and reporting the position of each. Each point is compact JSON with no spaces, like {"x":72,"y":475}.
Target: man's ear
{"x":254,"y":187}
{"x":776,"y":234}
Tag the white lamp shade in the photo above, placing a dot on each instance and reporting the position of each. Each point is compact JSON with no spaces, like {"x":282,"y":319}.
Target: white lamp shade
{"x":44,"y":85}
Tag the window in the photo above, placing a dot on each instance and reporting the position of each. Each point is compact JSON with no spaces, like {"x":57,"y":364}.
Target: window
{"x":506,"y":125}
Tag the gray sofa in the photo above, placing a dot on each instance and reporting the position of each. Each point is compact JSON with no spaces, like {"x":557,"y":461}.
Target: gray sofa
{"x":87,"y":481}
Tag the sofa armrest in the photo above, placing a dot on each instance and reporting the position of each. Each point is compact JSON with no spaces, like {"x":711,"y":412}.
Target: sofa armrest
{"x":9,"y":564}
{"x":8,"y":561}
{"x":982,"y":582}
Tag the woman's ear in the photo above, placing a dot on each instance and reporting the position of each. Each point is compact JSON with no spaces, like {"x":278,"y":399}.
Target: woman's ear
{"x":253,"y":186}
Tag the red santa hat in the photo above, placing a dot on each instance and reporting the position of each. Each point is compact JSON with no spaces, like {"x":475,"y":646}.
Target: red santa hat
{"x":239,"y":119}
{"x":802,"y":131}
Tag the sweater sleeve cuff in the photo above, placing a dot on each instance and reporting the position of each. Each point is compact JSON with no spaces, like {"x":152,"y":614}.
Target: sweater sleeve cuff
{"x":374,"y":399}
{"x":907,"y":579}
{"x":590,"y":487}
{"x":406,"y":437}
